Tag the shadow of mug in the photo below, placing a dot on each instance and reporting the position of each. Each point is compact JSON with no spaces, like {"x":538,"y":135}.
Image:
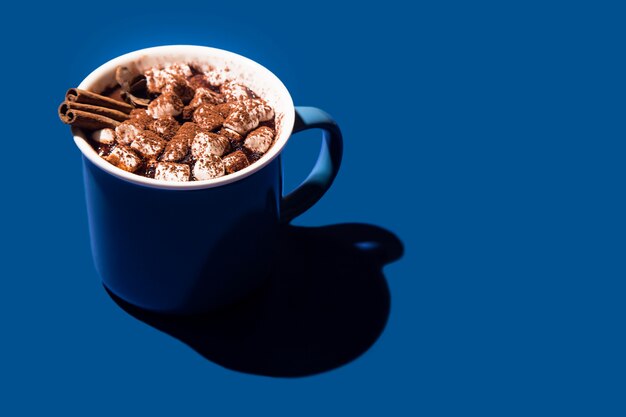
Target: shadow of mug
{"x":325,"y":303}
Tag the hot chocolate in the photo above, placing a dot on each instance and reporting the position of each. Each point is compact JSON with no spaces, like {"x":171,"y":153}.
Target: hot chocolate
{"x":178,"y":122}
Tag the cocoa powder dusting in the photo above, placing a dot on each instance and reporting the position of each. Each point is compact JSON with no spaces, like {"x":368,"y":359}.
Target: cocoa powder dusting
{"x":180,"y":131}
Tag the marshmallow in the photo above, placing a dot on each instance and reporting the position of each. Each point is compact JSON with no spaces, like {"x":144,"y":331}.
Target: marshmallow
{"x":179,"y":86}
{"x":104,"y":136}
{"x":241,"y":121}
{"x":207,"y":167}
{"x":167,"y":104}
{"x":124,"y":158}
{"x":235,"y":161}
{"x":247,"y":115}
{"x":170,"y":171}
{"x":259,"y":140}
{"x":166,"y":127}
{"x":148,"y":144}
{"x":202,"y":96}
{"x":127,"y":131}
{"x":207,"y":118}
{"x":234,"y":92}
{"x":175,"y":150}
{"x":178,"y":146}
{"x":157,"y":79}
{"x":225,"y":109}
{"x":205,"y":96}
{"x":263,"y":110}
{"x":214,"y":76}
{"x":182,"y":70}
{"x":230,"y":134}
{"x":206,"y":143}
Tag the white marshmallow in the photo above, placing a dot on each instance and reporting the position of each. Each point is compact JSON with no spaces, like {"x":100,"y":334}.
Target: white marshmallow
{"x":204,"y":96}
{"x":148,"y":144}
{"x":262,"y":110}
{"x":167,"y":104}
{"x":208,"y":167}
{"x":169,"y":171}
{"x":157,"y":79}
{"x":127,"y":131}
{"x":205,"y":143}
{"x":247,"y":115}
{"x":235,"y":161}
{"x":230,"y":134}
{"x":124,"y":158}
{"x":259,"y":140}
{"x":105,"y":136}
{"x":234,"y":91}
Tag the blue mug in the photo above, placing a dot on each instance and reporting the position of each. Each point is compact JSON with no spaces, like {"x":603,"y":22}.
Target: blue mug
{"x":186,"y":248}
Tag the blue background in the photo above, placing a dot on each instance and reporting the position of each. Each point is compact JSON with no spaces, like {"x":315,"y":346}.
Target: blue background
{"x":488,"y":138}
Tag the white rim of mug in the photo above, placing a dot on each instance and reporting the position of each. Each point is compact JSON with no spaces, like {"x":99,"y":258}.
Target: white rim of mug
{"x":109,"y":67}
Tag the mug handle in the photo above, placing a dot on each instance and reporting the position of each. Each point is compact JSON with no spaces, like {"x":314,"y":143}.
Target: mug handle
{"x":325,"y":170}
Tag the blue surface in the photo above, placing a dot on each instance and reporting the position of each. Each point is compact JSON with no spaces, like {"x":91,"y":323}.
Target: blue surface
{"x":488,"y":137}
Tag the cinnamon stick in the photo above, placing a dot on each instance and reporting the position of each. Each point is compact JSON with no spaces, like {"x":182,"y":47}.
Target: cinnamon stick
{"x":103,"y":111}
{"x":78,"y":95}
{"x":86,"y":120}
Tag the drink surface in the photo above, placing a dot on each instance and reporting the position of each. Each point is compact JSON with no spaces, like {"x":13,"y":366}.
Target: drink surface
{"x":180,"y":122}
